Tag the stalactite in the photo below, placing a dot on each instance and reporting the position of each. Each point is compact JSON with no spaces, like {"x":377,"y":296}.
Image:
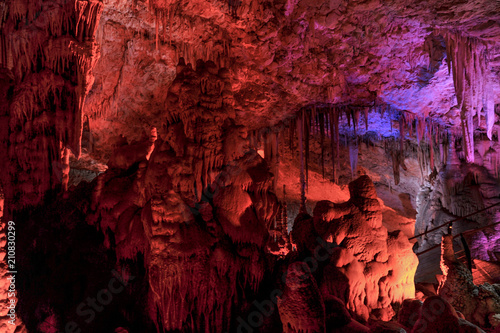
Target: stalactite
{"x":271,"y":154}
{"x":421,"y":163}
{"x":366,"y":110}
{"x":395,"y":168}
{"x":468,"y":137}
{"x":353,"y":155}
{"x":467,"y":58}
{"x":157,"y":24}
{"x":355,"y":119}
{"x":327,"y":114}
{"x":420,"y":129}
{"x":291,"y":132}
{"x":401,"y":134}
{"x":489,"y":107}
{"x":337,"y":138}
{"x":322,"y":142}
{"x":300,"y":130}
{"x":307,"y":129}
{"x":430,"y":137}
{"x":164,"y":23}
{"x":333,"y":140}
{"x":86,"y":56}
{"x":277,"y":143}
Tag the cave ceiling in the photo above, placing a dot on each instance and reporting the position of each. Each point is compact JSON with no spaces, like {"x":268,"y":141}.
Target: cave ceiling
{"x":286,"y":55}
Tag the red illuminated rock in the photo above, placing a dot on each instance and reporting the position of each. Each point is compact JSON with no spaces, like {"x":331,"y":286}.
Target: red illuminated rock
{"x":377,"y":267}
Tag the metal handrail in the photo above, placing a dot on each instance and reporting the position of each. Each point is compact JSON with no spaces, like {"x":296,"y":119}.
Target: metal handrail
{"x":455,"y":220}
{"x":465,"y":232}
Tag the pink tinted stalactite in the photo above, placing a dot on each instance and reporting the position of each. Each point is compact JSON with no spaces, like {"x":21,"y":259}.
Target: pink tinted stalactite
{"x":467,"y":59}
{"x":420,"y":129}
{"x":430,"y":137}
{"x":467,"y":135}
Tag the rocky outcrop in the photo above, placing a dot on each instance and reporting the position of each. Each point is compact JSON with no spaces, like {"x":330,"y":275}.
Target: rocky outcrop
{"x":370,"y":269}
{"x":198,"y":205}
{"x":301,"y":305}
{"x":437,"y":315}
{"x":479,"y":304}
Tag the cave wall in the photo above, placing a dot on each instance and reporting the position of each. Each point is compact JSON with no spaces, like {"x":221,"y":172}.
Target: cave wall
{"x":47,"y":54}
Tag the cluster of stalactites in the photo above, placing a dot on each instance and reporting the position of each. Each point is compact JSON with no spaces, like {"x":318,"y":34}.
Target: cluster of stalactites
{"x":422,"y":138}
{"x":213,"y":50}
{"x":322,"y":123}
{"x":50,"y":52}
{"x":308,"y":123}
{"x":163,"y":11}
{"x":467,"y":58}
{"x":216,"y":49}
{"x":199,"y":295}
{"x":431,"y":148}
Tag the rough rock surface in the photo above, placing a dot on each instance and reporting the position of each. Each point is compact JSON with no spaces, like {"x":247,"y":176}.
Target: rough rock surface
{"x":478,"y":304}
{"x":437,"y":315}
{"x":370,"y":269}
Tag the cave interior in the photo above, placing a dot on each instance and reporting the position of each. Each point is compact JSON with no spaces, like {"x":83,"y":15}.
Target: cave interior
{"x":249,"y":166}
